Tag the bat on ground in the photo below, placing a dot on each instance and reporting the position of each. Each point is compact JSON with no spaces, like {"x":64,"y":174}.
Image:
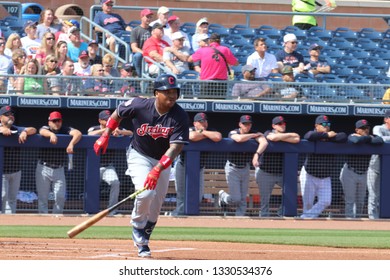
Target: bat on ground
{"x":97,"y":217}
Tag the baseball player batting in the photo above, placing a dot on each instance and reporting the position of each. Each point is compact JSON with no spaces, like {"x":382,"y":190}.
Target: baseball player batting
{"x":161,"y":128}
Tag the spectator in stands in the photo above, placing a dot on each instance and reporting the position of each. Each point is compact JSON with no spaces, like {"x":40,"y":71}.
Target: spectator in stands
{"x":374,"y":169}
{"x":353,"y":175}
{"x":269,"y":170}
{"x":214,"y":64}
{"x":60,"y":85}
{"x":47,"y":47}
{"x":31,"y":85}
{"x":264,"y":62}
{"x":62,"y":35}
{"x":237,"y":166}
{"x":12,"y":168}
{"x":114,"y":23}
{"x":316,"y":181}
{"x":13,"y":43}
{"x":386,"y":97}
{"x":308,"y":6}
{"x":97,"y":85}
{"x":175,"y":57}
{"x":93,"y":49}
{"x":202,"y":27}
{"x":315,"y":66}
{"x":289,"y":55}
{"x":248,"y":89}
{"x":108,"y":173}
{"x":61,"y":52}
{"x":108,"y":66}
{"x":75,"y":46}
{"x":154,"y":47}
{"x":30,"y":43}
{"x":162,"y":14}
{"x":126,"y":87}
{"x":51,"y":66}
{"x":198,"y":132}
{"x":174,"y":26}
{"x":203,"y":41}
{"x":82,"y":67}
{"x":50,"y":172}
{"x":47,"y":23}
{"x":5,"y":61}
{"x":138,"y":38}
{"x":18,"y":62}
{"x":288,"y":91}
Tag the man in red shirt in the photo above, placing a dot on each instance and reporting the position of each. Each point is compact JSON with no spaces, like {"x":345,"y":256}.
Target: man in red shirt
{"x":214,"y":61}
{"x":154,"y":48}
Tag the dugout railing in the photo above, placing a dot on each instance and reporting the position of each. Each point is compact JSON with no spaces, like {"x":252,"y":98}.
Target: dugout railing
{"x":88,"y":164}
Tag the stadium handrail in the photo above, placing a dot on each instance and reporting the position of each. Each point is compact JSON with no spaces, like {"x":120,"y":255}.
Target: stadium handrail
{"x":192,"y":161}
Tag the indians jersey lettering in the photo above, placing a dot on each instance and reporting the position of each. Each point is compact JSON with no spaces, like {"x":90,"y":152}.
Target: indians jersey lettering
{"x":154,"y":132}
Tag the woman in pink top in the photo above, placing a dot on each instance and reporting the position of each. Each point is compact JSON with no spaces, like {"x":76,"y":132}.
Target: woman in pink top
{"x":47,"y":47}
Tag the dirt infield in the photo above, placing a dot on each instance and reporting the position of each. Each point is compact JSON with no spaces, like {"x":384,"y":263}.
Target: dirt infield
{"x":83,"y":249}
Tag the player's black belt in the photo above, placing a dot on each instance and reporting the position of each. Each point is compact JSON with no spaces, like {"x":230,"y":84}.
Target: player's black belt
{"x":237,"y":165}
{"x":360,"y":172}
{"x":48,"y":164}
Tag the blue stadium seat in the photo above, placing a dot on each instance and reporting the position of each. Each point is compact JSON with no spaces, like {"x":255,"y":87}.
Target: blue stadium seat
{"x":377,"y":92}
{"x":341,"y":71}
{"x":382,"y":79}
{"x":275,"y":49}
{"x":340,"y":43}
{"x":370,"y":33}
{"x":331,"y":61}
{"x":275,"y":77}
{"x":299,"y":33}
{"x":317,"y":92}
{"x":381,"y":53}
{"x":329,"y":78}
{"x":236,"y":41}
{"x":368,"y":71}
{"x":241,"y":58}
{"x":319,"y":32}
{"x":377,"y":62}
{"x":188,"y":27}
{"x":386,"y":34}
{"x":350,"y":61}
{"x":243,"y":30}
{"x":358,"y":53}
{"x":269,"y":31}
{"x":352,"y":92}
{"x":303,"y":78}
{"x":220,"y":29}
{"x":237,"y":70}
{"x":313,"y":40}
{"x":134,"y":23}
{"x":366,"y":44}
{"x":346,"y":33}
{"x":248,"y":49}
{"x":188,"y":88}
{"x":332,"y":52}
{"x":358,"y":79}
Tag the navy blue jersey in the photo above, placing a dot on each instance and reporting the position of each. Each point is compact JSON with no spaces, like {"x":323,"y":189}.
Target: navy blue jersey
{"x":271,"y":162}
{"x":153,"y":132}
{"x":240,"y":159}
{"x":54,"y":156}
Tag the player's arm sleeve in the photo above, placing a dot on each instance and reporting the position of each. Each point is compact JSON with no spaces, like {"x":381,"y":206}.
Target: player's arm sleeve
{"x":315,"y":136}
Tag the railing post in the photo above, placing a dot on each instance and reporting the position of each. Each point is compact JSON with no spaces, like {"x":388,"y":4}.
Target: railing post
{"x":192,"y":166}
{"x":290,"y":184}
{"x":92,"y":183}
{"x":384,"y":206}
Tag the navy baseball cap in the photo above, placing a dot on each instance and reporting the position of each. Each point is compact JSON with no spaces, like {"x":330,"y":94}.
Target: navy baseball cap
{"x":245,"y":119}
{"x":93,"y":42}
{"x":362,"y":123}
{"x":387,"y":114}
{"x":200,"y":117}
{"x":315,"y":47}
{"x":104,"y":115}
{"x":30,"y":23}
{"x":278,"y":120}
{"x":322,"y":119}
{"x":5,"y":110}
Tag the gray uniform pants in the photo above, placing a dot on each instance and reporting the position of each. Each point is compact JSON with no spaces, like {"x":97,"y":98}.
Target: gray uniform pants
{"x":266,"y":182}
{"x":373,"y":185}
{"x":238,"y":183}
{"x":45,"y":177}
{"x":354,"y":187}
{"x":147,"y":205}
{"x":11,"y":186}
{"x":108,"y":174}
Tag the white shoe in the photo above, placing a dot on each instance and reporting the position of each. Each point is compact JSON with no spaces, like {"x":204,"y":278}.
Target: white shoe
{"x":221,"y":203}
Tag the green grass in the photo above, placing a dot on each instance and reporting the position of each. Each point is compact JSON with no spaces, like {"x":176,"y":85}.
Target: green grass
{"x":331,"y":238}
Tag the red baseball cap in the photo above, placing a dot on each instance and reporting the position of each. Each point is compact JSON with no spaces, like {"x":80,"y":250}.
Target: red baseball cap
{"x":83,"y":54}
{"x":173,"y":18}
{"x":146,"y":12}
{"x":55,"y":116}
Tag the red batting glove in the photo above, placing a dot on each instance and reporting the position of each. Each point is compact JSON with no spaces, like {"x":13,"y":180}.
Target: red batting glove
{"x":151,"y":179}
{"x":101,"y":143}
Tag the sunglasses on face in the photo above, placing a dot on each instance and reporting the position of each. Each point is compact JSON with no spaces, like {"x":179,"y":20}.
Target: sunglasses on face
{"x":100,"y":70}
{"x":51,"y":38}
{"x":2,"y":44}
{"x":110,"y":5}
{"x":21,"y":56}
{"x":57,"y":121}
{"x":325,"y":124}
{"x":295,"y":42}
{"x":55,"y":61}
{"x":107,"y":65}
